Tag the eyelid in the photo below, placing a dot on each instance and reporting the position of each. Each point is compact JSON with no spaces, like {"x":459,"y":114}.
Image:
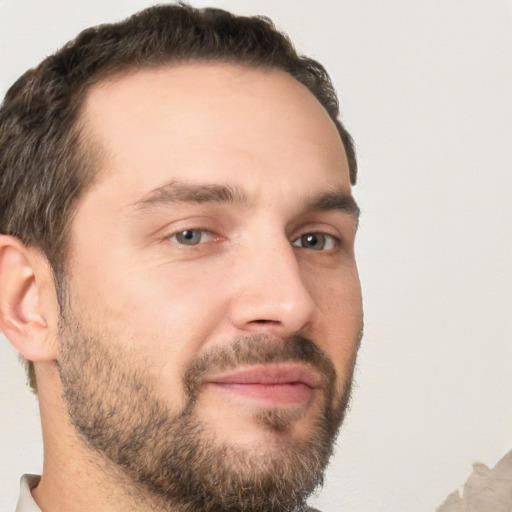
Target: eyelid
{"x":318,"y":227}
{"x":204,"y":223}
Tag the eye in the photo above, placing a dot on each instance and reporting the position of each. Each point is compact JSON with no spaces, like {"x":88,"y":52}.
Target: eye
{"x":316,"y":241}
{"x":192,"y":236}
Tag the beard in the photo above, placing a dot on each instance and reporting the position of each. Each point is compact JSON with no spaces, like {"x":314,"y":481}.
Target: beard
{"x":176,"y":461}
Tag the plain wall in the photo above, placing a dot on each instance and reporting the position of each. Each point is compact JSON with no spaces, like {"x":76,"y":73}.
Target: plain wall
{"x":426,"y":90}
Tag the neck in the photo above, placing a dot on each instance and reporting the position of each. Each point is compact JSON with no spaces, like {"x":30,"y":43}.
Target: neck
{"x":77,"y":478}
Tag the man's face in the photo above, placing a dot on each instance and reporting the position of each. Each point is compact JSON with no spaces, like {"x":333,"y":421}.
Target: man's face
{"x":213,"y":306}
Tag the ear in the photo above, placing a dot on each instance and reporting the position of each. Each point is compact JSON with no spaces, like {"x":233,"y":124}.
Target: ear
{"x":28,"y":314}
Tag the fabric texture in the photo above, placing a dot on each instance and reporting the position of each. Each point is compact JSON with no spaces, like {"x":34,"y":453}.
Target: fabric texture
{"x":25,"y":502}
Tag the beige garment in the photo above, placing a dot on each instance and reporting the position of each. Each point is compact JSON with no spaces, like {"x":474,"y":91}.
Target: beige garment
{"x":486,"y":490}
{"x":25,"y":502}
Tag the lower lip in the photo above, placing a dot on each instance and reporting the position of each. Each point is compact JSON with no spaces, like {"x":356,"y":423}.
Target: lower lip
{"x":278,"y":394}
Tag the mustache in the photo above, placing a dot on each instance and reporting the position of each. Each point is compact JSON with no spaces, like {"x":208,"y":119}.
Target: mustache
{"x":257,"y":350}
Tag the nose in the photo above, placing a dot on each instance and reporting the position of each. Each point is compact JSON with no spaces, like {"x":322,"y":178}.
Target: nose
{"x":271,"y":295}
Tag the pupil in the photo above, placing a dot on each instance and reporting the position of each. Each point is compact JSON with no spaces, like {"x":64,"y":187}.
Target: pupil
{"x":311,"y":240}
{"x":188,"y":235}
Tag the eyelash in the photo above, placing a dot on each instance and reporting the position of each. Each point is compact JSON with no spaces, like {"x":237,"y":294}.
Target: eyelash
{"x":312,"y":237}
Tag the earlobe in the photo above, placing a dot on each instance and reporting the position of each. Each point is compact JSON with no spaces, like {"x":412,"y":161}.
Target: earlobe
{"x":23,"y":316}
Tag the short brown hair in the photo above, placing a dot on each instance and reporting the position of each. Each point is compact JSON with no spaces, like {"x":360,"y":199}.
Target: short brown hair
{"x":45,"y":165}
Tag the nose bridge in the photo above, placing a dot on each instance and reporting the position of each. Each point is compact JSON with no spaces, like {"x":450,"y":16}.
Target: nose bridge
{"x":271,"y":292}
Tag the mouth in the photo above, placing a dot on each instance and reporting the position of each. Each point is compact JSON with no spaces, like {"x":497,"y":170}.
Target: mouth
{"x":278,"y":384}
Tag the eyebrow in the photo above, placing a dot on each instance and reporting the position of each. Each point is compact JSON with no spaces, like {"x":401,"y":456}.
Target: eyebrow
{"x":178,"y":192}
{"x":340,"y":201}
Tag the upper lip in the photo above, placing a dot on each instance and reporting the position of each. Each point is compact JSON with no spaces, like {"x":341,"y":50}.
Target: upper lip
{"x":277,"y":373}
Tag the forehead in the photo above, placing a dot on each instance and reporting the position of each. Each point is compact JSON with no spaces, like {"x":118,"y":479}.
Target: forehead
{"x":212,"y":122}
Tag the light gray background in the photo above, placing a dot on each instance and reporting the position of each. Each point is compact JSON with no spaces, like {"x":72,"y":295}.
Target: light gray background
{"x":426,"y":91}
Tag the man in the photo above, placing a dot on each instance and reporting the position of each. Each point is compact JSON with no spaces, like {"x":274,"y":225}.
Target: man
{"x":177,"y":265}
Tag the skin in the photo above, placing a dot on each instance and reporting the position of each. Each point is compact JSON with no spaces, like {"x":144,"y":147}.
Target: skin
{"x":259,"y":133}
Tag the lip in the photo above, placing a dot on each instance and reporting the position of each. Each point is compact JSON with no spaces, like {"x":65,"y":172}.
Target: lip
{"x":279,"y":384}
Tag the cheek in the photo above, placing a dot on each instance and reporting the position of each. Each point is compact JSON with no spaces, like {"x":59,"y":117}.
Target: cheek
{"x":157,"y":316}
{"x":173,"y":310}
{"x":339,"y":325}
